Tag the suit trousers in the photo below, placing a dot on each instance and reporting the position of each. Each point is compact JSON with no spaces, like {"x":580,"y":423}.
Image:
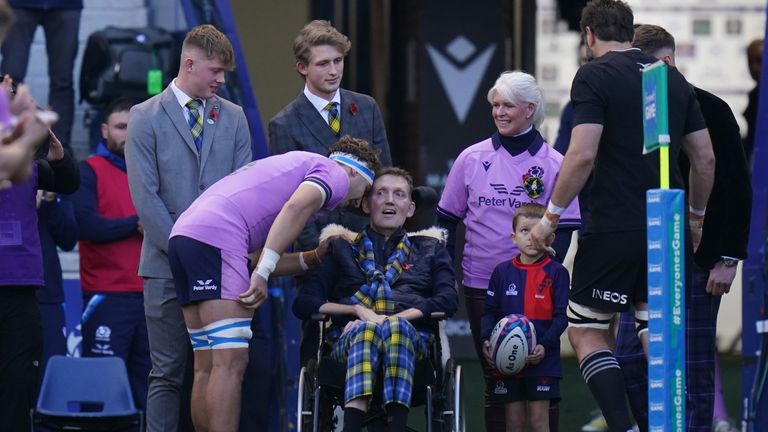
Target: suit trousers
{"x":61,"y":30}
{"x":169,"y":347}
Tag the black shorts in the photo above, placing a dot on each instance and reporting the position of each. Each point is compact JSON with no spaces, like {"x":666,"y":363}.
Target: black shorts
{"x":610,"y":271}
{"x":196,"y":269}
{"x":509,"y":389}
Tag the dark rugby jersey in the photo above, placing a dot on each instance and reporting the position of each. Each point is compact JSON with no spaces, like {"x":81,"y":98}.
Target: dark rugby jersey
{"x":540,"y":292}
{"x":608,"y":91}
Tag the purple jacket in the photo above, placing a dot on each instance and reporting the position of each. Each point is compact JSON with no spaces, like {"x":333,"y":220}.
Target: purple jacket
{"x":21,"y":262}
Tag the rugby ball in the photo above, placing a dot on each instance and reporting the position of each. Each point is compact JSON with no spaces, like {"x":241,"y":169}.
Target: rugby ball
{"x":512,"y":339}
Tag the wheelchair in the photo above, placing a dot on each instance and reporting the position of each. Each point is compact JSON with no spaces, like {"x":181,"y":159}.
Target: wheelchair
{"x":436,"y":387}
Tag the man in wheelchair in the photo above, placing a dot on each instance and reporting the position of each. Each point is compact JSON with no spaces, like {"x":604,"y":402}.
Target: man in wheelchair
{"x":380,"y":287}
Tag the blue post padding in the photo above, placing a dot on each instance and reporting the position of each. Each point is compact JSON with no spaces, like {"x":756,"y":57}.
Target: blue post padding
{"x":666,"y":310}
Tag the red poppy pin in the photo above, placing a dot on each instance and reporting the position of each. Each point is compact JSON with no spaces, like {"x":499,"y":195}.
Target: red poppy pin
{"x":353,"y":109}
{"x":213,"y":117}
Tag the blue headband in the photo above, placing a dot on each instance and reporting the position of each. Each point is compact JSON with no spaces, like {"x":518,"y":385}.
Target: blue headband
{"x":353,"y":162}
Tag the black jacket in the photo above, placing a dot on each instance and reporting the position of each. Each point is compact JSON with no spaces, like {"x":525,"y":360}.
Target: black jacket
{"x":726,"y":223}
{"x":427,"y":283}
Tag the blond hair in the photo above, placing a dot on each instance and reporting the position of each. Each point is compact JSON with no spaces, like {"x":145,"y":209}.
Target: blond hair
{"x":212,"y":42}
{"x":315,"y":33}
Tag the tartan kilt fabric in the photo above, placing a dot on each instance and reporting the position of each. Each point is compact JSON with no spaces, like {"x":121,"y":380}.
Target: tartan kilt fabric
{"x":393,"y":347}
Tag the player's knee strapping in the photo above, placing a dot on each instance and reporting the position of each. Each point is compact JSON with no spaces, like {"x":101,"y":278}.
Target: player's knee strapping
{"x":229,"y":333}
{"x":199,"y":339}
{"x":641,"y":321}
{"x":583,"y":316}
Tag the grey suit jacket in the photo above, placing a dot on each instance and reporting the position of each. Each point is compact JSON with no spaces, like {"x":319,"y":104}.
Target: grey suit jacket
{"x":299,"y":126}
{"x":166,"y":172}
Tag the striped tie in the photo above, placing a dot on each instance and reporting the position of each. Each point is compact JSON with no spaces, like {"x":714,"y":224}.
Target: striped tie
{"x":333,"y":117}
{"x":196,"y":122}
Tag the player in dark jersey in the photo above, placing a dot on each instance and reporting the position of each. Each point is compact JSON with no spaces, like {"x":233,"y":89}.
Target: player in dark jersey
{"x":610,"y":266}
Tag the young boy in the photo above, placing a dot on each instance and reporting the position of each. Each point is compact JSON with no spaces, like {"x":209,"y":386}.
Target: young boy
{"x":533,"y":285}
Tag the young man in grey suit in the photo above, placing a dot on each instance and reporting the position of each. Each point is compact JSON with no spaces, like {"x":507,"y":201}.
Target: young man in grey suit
{"x":179,"y":143}
{"x":323,"y":112}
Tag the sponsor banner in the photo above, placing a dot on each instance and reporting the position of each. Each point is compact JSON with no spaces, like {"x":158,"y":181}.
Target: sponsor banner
{"x":460,"y":55}
{"x":666,"y":311}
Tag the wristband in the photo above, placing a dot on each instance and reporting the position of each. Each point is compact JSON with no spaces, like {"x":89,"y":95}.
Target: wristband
{"x":312,"y":258}
{"x":550,"y":220}
{"x":695,"y":220}
{"x":697,"y":212}
{"x":552,"y":208}
{"x":302,"y":263}
{"x":268,"y":262}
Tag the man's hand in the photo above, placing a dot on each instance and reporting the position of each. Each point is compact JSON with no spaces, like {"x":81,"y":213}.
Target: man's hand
{"x":720,"y":279}
{"x":256,"y":294}
{"x":55,"y":149}
{"x":322,"y":248}
{"x":541,"y":235}
{"x":20,"y":98}
{"x":537,"y":355}
{"x":366,"y":314}
{"x":350,"y":325}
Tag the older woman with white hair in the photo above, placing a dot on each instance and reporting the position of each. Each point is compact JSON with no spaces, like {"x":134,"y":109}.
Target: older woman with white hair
{"x":487,"y":183}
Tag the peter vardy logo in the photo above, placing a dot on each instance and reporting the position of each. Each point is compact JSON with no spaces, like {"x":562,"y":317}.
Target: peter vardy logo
{"x":460,"y":77}
{"x":512,"y":289}
{"x":103,"y":349}
{"x":204,"y":285}
{"x":501,"y":189}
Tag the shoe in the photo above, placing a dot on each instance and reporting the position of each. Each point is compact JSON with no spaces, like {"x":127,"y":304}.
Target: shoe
{"x":720,"y":425}
{"x":596,"y":424}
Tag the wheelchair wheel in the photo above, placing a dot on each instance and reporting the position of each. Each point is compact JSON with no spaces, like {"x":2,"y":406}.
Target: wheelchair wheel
{"x":453,"y":416}
{"x":306,"y":400}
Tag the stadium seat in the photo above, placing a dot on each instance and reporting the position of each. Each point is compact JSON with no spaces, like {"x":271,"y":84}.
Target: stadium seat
{"x":86,"y":394}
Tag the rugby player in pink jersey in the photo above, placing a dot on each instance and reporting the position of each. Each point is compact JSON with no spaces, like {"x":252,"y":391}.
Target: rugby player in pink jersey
{"x":261,"y":207}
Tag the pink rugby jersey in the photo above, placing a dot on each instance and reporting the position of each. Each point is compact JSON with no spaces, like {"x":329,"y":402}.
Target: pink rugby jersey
{"x":236,"y":213}
{"x":485,"y":187}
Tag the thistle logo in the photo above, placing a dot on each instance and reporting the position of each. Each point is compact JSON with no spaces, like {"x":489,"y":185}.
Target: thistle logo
{"x":512,"y":289}
{"x":103,"y":333}
{"x":204,"y":285}
{"x":461,"y":78}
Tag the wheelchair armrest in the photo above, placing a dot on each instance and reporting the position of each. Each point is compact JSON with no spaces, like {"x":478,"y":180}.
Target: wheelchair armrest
{"x":321,"y":317}
{"x":437,"y":316}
